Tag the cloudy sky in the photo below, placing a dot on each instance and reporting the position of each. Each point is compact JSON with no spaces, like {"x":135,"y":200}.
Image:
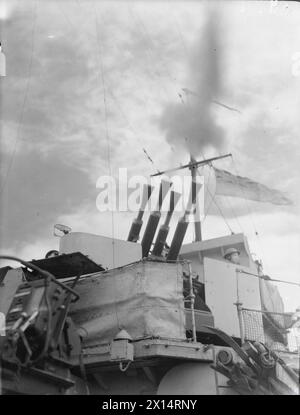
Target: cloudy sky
{"x":57,"y":136}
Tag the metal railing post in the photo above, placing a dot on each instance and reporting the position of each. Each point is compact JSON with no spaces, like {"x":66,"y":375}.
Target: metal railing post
{"x":192,"y":301}
{"x":239,"y":308}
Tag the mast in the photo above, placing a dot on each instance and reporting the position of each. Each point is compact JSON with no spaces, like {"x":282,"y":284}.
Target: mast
{"x":197,"y":222}
{"x":192,"y":166}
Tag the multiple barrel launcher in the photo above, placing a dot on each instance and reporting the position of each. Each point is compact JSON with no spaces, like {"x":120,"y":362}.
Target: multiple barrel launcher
{"x":154,"y":218}
{"x":153,"y":221}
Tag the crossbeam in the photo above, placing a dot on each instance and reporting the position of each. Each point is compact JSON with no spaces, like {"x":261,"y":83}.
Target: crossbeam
{"x":192,"y":164}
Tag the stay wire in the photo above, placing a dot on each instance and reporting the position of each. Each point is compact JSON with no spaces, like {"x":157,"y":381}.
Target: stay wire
{"x":151,"y":44}
{"x":243,"y":196}
{"x":110,"y":92}
{"x":179,"y":31}
{"x":25,"y":99}
{"x":232,"y":208}
{"x":250,"y":212}
{"x":216,"y":203}
{"x":100,"y":64}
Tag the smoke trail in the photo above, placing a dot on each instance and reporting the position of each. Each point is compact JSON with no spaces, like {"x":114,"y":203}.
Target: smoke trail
{"x":190,"y":122}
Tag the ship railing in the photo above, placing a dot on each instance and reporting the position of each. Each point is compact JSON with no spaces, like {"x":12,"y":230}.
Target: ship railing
{"x":264,"y":326}
{"x":280,"y":331}
{"x":191,"y":298}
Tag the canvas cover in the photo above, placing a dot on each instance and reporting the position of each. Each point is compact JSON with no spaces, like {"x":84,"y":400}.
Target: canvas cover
{"x":144,"y":298}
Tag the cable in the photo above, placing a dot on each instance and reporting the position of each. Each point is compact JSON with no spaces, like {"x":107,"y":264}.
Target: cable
{"x":150,"y":47}
{"x":134,"y":132}
{"x":211,"y":200}
{"x":186,"y":52}
{"x":29,"y":77}
{"x":230,"y":108}
{"x":147,"y":36}
{"x":227,"y":223}
{"x":247,"y":207}
{"x":105,"y":112}
{"x":100,"y":64}
{"x":148,"y":51}
{"x":243,"y":195}
{"x":109,"y":90}
{"x":218,"y":207}
{"x":250,"y":212}
{"x":214,"y":200}
{"x":49,"y":323}
{"x":232,"y":210}
{"x":184,"y":103}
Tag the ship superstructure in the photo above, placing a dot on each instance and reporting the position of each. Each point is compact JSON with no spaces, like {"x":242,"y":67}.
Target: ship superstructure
{"x":137,"y":316}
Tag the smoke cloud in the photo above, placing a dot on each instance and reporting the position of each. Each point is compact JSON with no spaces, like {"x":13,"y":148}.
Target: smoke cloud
{"x":190,"y":123}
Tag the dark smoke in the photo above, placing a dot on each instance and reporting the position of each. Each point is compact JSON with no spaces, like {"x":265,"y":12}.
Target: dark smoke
{"x":191,"y":122}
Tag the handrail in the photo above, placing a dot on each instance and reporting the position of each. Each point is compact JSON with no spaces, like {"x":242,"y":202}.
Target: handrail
{"x":192,"y":301}
{"x":263,"y":277}
{"x":268,"y":312}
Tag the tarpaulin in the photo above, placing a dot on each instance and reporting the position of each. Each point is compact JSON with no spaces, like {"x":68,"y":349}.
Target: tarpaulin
{"x":144,"y":298}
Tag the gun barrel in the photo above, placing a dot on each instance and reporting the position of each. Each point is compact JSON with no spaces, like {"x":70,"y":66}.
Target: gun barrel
{"x":137,"y":223}
{"x":164,"y":229}
{"x":135,"y":230}
{"x":150,"y":232}
{"x":154,"y":218}
{"x":178,"y":238}
{"x":160,"y":240}
{"x":183,"y":223}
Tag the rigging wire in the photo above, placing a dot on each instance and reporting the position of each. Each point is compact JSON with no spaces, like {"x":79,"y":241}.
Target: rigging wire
{"x":183,"y":102}
{"x":25,"y":99}
{"x":110,"y":92}
{"x":243,"y":195}
{"x":233,"y":109}
{"x":250,"y":212}
{"x":223,"y":216}
{"x":235,"y":215}
{"x":102,"y":76}
{"x":213,"y":198}
{"x":152,"y":62}
{"x":90,"y":35}
{"x":173,"y":80}
{"x":151,"y":49}
{"x":183,"y":43}
{"x":100,"y":64}
{"x":130,"y":126}
{"x":151,"y":45}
